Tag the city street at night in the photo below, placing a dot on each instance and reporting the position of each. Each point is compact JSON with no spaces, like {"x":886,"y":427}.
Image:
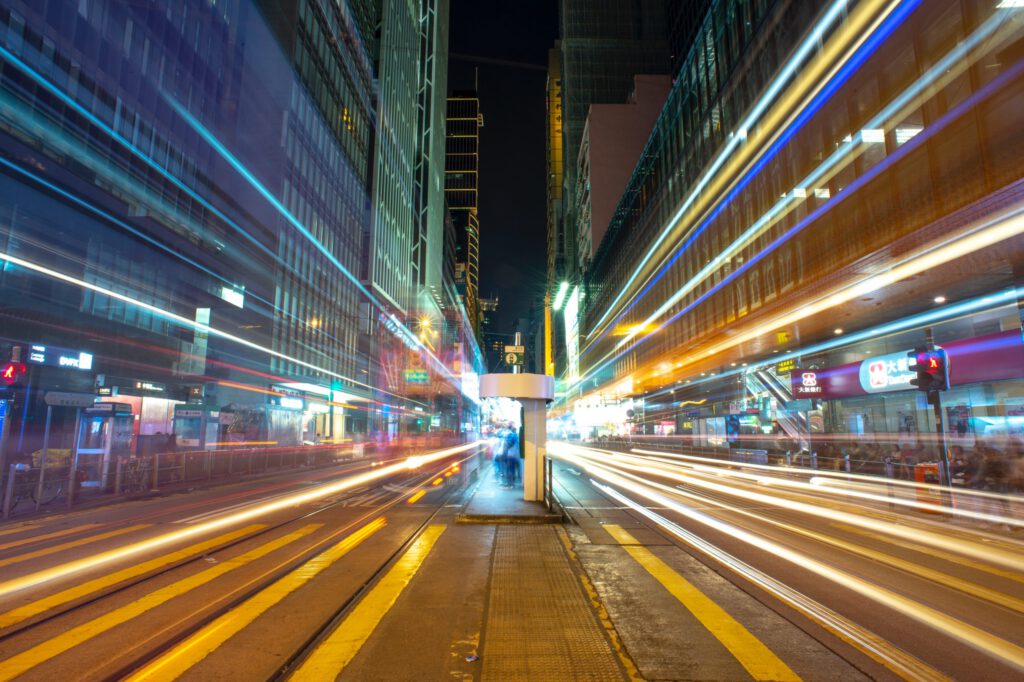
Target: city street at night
{"x":384,"y":340}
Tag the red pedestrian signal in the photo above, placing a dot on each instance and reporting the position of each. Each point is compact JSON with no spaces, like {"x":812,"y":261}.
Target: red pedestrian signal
{"x":932,"y":367}
{"x":12,"y":373}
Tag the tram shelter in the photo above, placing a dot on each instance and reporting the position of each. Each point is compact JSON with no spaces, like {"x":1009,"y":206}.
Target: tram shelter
{"x":533,"y":392}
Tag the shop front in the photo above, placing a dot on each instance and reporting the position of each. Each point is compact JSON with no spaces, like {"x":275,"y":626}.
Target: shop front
{"x":870,"y":407}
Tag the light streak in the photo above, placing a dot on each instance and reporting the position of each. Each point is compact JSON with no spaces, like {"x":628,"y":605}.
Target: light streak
{"x":135,"y":151}
{"x":943,"y":71}
{"x":404,"y":332}
{"x":174,"y":317}
{"x":254,"y":511}
{"x":579,"y":456}
{"x":851,"y":30}
{"x":975,"y":637}
{"x":816,"y":483}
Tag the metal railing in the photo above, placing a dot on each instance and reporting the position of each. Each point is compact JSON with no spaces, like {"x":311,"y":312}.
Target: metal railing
{"x":25,"y":489}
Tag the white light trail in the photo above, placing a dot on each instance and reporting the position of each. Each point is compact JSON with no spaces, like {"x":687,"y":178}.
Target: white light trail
{"x":247,"y":514}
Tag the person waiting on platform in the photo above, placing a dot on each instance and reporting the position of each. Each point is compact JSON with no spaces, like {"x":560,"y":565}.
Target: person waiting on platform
{"x":511,"y":459}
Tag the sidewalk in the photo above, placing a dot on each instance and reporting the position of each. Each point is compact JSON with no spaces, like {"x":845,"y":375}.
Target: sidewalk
{"x":500,"y":597}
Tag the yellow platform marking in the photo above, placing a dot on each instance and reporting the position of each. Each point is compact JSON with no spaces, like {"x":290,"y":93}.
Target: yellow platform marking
{"x":69,"y":545}
{"x":750,"y":652}
{"x":26,"y":660}
{"x":341,"y":646}
{"x":191,"y":651}
{"x":25,"y":612}
{"x":48,"y":536}
{"x":951,"y":557}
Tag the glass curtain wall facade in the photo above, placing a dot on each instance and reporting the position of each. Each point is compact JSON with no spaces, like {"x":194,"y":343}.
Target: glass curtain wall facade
{"x":184,"y":210}
{"x":810,"y":207}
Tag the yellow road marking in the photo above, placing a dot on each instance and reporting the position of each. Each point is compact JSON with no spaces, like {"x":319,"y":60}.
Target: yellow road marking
{"x":750,"y":652}
{"x":48,"y":536}
{"x":341,"y":646}
{"x":43,"y":652}
{"x":417,"y":496}
{"x":68,"y":545}
{"x":191,"y":651}
{"x":938,"y":553}
{"x":25,"y":612}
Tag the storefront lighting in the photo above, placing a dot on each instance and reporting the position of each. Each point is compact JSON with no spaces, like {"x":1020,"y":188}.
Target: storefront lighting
{"x":563,"y":289}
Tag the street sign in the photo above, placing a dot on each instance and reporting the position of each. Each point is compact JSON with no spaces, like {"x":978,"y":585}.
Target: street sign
{"x":514,"y":355}
{"x":61,"y":399}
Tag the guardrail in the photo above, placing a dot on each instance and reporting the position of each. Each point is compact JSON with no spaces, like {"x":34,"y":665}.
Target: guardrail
{"x":26,"y":488}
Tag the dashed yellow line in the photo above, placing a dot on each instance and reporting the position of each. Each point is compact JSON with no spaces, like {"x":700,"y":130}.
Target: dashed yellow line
{"x":191,"y":651}
{"x":48,"y":536}
{"x":341,"y":646}
{"x":70,"y":545}
{"x":26,"y":660}
{"x":415,"y":498}
{"x":22,"y":613}
{"x":750,"y":652}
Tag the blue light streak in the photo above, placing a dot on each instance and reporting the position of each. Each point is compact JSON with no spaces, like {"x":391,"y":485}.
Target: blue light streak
{"x":835,"y":11}
{"x":85,"y":113}
{"x":883,"y":31}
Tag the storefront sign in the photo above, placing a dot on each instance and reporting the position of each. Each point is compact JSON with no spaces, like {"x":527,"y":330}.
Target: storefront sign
{"x":416,"y":376}
{"x":786,"y":366}
{"x":805,"y":384}
{"x":59,"y":357}
{"x":290,"y":402}
{"x":994,"y":357}
{"x":886,"y":373}
{"x":62,"y":399}
{"x":151,"y":386}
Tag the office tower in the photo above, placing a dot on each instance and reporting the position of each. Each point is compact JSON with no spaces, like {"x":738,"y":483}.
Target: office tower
{"x":555,"y":237}
{"x":461,"y":192}
{"x":189,"y":212}
{"x":603,"y":44}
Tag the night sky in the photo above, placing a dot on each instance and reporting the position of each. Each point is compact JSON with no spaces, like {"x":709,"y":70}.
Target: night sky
{"x":512,"y":166}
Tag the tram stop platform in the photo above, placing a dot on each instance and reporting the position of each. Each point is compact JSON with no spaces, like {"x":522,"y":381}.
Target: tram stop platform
{"x":491,"y":503}
{"x":501,"y":596}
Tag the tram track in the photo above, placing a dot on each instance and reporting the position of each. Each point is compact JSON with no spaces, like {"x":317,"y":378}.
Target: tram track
{"x":138,"y":652}
{"x":808,"y":615}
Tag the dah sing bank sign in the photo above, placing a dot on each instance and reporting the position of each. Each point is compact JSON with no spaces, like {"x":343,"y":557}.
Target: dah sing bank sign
{"x":805,"y":384}
{"x":877,"y":375}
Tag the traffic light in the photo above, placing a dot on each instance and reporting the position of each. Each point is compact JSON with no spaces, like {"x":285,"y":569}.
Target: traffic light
{"x":932,"y":367}
{"x":12,"y":373}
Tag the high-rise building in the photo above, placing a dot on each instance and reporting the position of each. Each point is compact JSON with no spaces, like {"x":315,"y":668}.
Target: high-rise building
{"x":555,"y":237}
{"x":188,"y":214}
{"x":428,"y":241}
{"x":827,"y":188}
{"x":462,"y":193}
{"x":613,"y":137}
{"x":389,"y":254}
{"x":188,"y":191}
{"x":603,"y":44}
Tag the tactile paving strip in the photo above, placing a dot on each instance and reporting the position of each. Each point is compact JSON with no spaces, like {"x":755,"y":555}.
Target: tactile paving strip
{"x":540,"y":625}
